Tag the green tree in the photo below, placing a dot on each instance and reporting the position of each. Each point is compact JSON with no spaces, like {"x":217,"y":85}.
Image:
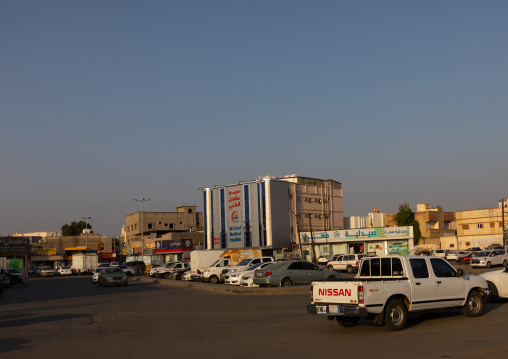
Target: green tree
{"x":406,"y":217}
{"x":75,"y":228}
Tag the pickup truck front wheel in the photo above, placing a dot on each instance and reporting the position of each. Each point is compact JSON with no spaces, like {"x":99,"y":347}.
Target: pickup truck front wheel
{"x":349,"y":269}
{"x":395,"y":315}
{"x":474,"y":305}
{"x":347,"y":322}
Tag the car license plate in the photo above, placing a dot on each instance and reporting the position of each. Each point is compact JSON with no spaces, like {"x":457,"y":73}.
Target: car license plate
{"x":333,"y":309}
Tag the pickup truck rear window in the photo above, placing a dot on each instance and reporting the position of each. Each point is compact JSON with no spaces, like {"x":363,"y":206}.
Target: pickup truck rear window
{"x":381,"y":267}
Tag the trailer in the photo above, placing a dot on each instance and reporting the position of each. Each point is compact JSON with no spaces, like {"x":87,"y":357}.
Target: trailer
{"x":84,"y":263}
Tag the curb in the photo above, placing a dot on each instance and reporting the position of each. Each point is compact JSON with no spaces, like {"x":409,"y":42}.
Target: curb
{"x":223,"y":288}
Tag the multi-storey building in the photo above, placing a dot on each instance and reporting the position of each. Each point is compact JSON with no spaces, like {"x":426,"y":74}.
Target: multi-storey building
{"x":157,"y":225}
{"x":270,"y":212}
{"x":481,"y":227}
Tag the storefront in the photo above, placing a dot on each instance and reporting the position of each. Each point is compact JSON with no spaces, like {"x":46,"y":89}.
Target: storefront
{"x":174,"y":249}
{"x":47,"y":257}
{"x":370,"y":241}
{"x":14,"y":252}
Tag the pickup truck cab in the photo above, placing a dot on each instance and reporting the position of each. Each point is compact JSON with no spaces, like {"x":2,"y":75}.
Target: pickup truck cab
{"x":213,"y":274}
{"x":387,"y":288}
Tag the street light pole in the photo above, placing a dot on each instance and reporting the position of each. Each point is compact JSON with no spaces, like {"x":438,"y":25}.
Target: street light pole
{"x":86,"y":231}
{"x":141,"y":200}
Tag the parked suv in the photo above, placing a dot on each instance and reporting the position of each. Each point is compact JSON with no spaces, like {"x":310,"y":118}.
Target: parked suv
{"x":441,"y":253}
{"x":490,"y":258}
{"x":347,"y":262}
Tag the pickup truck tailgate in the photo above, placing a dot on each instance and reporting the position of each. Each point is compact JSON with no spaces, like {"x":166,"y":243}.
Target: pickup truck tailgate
{"x":335,"y":292}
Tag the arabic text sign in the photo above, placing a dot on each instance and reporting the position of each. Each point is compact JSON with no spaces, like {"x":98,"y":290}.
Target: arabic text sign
{"x":14,"y":244}
{"x":358,"y":234}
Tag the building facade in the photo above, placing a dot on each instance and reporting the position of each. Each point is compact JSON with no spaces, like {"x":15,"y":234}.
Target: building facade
{"x":270,"y":212}
{"x":157,"y":225}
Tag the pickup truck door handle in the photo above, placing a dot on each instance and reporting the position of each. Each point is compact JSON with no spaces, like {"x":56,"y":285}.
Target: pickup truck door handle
{"x":418,"y":283}
{"x":438,"y":282}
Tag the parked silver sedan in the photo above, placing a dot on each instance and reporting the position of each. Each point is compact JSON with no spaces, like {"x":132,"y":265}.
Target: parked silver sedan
{"x":286,"y":274}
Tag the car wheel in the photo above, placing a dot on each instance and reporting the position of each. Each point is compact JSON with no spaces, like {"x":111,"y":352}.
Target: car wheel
{"x":505,"y":263}
{"x":167,"y":275}
{"x":331,"y":277}
{"x":330,"y":267}
{"x":494,"y":295}
{"x":214,"y":280}
{"x":474,"y":305}
{"x":286,"y":282}
{"x":489,"y":265}
{"x":395,"y":315}
{"x":349,"y":269}
{"x":347,"y":322}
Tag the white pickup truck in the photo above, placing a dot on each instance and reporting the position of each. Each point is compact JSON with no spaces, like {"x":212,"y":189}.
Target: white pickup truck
{"x":386,"y":289}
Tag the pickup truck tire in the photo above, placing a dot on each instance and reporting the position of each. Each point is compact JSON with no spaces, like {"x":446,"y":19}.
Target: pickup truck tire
{"x":347,"y":322}
{"x":349,"y":269}
{"x":214,"y":279}
{"x":505,"y":263}
{"x":494,"y":294}
{"x":286,"y":282}
{"x":489,"y":265}
{"x":395,"y":315}
{"x":167,"y":275}
{"x":474,"y":305}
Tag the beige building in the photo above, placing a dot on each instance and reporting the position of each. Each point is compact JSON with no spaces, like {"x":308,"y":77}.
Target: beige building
{"x":480,"y":227}
{"x":186,"y":222}
{"x":434,"y":223}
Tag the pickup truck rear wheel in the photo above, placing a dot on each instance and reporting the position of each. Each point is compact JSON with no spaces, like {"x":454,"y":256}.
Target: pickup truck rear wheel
{"x":489,"y":265}
{"x":349,"y":269}
{"x":395,"y":315}
{"x":347,"y":322}
{"x":474,"y":305}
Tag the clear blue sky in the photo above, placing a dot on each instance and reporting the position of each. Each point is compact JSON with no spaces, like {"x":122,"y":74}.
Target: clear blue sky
{"x":105,"y":101}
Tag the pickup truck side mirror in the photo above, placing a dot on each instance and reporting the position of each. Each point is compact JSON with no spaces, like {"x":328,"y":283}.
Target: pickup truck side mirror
{"x":460,"y":273}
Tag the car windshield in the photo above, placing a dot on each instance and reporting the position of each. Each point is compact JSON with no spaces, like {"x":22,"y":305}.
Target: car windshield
{"x":114,"y":271}
{"x":483,"y":254}
{"x":244,"y":262}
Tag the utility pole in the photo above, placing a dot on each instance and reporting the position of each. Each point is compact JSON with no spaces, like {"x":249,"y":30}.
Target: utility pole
{"x":141,"y":200}
{"x":312,"y":240}
{"x":86,"y":231}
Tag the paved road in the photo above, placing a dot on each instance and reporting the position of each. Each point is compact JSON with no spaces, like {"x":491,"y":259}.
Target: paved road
{"x":71,"y":318}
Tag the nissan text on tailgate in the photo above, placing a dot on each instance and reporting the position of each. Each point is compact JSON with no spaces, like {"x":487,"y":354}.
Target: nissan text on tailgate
{"x":387,"y":288}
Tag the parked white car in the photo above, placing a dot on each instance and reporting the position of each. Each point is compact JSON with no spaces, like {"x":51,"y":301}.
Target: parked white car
{"x":490,"y":258}
{"x":64,"y":270}
{"x":95,"y":275}
{"x":346,"y":262}
{"x":454,"y":255}
{"x":498,"y":283}
{"x":323,"y":259}
{"x":441,"y":253}
{"x":127,"y":270}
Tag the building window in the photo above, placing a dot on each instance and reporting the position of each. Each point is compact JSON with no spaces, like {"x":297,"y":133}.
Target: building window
{"x":480,"y":225}
{"x":465,"y":227}
{"x":160,"y":223}
{"x":165,"y":224}
{"x":171,"y":226}
{"x":452,"y":245}
{"x":190,"y":211}
{"x":492,"y":224}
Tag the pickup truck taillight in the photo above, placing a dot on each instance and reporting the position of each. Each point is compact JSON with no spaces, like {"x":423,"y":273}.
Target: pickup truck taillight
{"x":360,"y":294}
{"x":198,"y":271}
{"x":311,"y":296}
